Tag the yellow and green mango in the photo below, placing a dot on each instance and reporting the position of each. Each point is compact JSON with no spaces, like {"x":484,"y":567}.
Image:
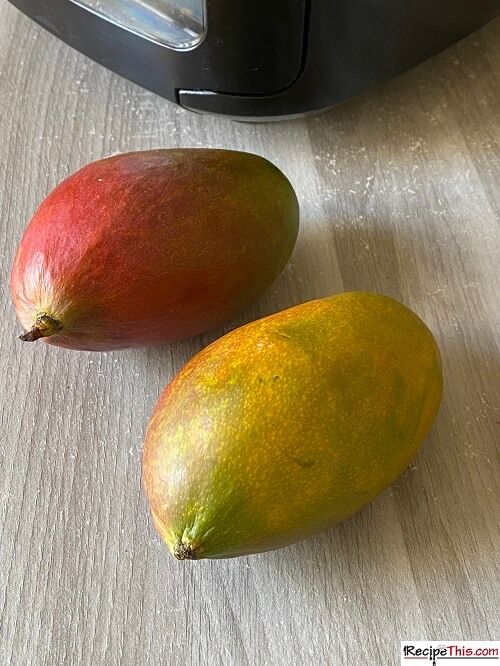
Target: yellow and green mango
{"x":290,"y":424}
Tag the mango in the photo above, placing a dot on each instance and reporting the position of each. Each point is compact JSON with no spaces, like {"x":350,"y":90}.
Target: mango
{"x":290,"y":424}
{"x":151,"y":247}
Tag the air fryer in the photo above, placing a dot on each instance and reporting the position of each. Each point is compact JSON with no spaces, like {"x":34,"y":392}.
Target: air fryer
{"x":259,"y":58}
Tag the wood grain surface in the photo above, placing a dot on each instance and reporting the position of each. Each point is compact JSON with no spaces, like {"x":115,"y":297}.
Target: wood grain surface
{"x":399,"y":194}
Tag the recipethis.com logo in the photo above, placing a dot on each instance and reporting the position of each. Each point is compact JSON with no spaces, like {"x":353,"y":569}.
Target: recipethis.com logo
{"x":448,"y":653}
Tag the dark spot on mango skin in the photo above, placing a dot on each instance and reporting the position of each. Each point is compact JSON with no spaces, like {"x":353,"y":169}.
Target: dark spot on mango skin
{"x":304,"y":463}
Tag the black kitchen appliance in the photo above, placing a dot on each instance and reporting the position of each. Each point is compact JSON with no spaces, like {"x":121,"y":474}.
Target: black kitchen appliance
{"x":259,"y":58}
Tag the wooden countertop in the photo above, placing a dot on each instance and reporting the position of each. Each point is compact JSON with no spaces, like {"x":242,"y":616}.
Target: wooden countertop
{"x":399,"y":194}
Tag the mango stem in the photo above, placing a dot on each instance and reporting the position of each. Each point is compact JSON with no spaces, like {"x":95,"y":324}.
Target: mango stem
{"x":183,"y":551}
{"x":44,"y":327}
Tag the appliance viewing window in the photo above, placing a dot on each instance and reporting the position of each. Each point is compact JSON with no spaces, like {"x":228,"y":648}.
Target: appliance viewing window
{"x":179,"y":24}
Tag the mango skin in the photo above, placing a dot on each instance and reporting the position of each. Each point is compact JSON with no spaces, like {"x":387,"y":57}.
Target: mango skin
{"x":290,"y":424}
{"x":150,"y":247}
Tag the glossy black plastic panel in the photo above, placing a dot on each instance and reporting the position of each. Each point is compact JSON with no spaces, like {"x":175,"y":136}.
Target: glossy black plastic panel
{"x":274,"y":58}
{"x":250,"y":47}
{"x":351,"y":46}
